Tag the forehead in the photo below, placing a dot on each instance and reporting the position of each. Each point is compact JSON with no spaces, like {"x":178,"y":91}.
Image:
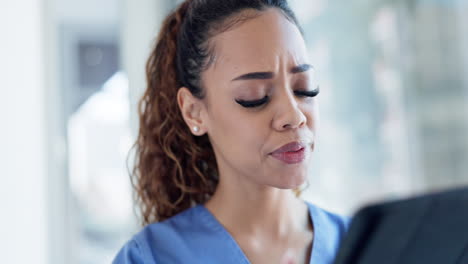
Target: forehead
{"x":262,"y":43}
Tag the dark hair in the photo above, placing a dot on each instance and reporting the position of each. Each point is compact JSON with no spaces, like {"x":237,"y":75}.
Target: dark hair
{"x":175,"y":170}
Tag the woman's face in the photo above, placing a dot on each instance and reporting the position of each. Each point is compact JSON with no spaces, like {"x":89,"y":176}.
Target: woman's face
{"x":255,"y":102}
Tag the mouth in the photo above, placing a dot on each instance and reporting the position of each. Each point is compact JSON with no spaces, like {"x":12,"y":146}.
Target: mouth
{"x":291,"y":153}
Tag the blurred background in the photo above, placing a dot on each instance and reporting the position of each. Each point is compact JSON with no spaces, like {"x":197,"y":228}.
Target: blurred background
{"x":394,"y":112}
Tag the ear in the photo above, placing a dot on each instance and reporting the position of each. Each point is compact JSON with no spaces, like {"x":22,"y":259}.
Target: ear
{"x":191,"y":109}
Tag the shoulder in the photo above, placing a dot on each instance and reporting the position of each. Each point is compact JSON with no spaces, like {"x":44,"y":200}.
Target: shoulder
{"x":131,"y":253}
{"x":158,"y":237}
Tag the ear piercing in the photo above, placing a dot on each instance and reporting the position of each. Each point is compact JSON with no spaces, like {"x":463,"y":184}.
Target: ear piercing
{"x":196,"y":129}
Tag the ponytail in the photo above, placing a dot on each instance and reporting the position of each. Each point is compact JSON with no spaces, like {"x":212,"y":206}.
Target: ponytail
{"x":173,"y":169}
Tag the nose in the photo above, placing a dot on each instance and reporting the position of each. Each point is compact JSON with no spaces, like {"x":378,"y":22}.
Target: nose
{"x":289,"y":114}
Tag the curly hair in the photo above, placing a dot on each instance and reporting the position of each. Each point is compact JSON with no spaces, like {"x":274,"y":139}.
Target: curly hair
{"x":175,"y":170}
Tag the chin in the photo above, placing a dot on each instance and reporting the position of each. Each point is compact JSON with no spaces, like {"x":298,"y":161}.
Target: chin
{"x":291,"y":182}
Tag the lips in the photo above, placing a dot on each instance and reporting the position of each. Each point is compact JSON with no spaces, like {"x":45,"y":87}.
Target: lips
{"x":290,"y":153}
{"x":290,"y":147}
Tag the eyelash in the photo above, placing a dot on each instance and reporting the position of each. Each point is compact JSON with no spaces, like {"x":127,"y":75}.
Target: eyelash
{"x":257,"y":103}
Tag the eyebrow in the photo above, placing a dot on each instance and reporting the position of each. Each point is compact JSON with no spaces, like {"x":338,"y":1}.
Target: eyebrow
{"x":269,"y":75}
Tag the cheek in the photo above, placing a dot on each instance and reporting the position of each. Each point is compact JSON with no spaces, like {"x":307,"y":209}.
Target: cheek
{"x":242,"y":131}
{"x":311,"y":111}
{"x":231,"y":126}
{"x":240,"y":136}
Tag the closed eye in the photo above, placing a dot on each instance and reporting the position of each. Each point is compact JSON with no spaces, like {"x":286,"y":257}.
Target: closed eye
{"x":251,"y":104}
{"x":257,"y":103}
{"x":312,"y":93}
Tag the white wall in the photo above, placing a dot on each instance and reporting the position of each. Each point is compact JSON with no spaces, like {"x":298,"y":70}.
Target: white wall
{"x":140,"y":25}
{"x":23,"y":224}
{"x":87,"y":11}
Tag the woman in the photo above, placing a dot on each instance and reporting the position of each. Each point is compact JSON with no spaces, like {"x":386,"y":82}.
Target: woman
{"x":227,"y":129}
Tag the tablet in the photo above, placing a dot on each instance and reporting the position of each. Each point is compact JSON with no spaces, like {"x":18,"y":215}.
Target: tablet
{"x":428,"y":229}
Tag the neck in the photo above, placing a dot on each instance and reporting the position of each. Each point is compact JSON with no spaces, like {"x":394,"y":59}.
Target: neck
{"x":244,"y":207}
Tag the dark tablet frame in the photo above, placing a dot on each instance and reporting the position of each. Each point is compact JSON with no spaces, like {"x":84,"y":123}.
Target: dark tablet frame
{"x":427,"y":229}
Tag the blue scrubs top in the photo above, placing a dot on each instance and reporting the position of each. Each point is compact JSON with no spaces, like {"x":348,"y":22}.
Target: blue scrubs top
{"x":196,"y":236}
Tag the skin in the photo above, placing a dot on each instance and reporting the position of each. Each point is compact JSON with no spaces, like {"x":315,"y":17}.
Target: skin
{"x":253,"y":200}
